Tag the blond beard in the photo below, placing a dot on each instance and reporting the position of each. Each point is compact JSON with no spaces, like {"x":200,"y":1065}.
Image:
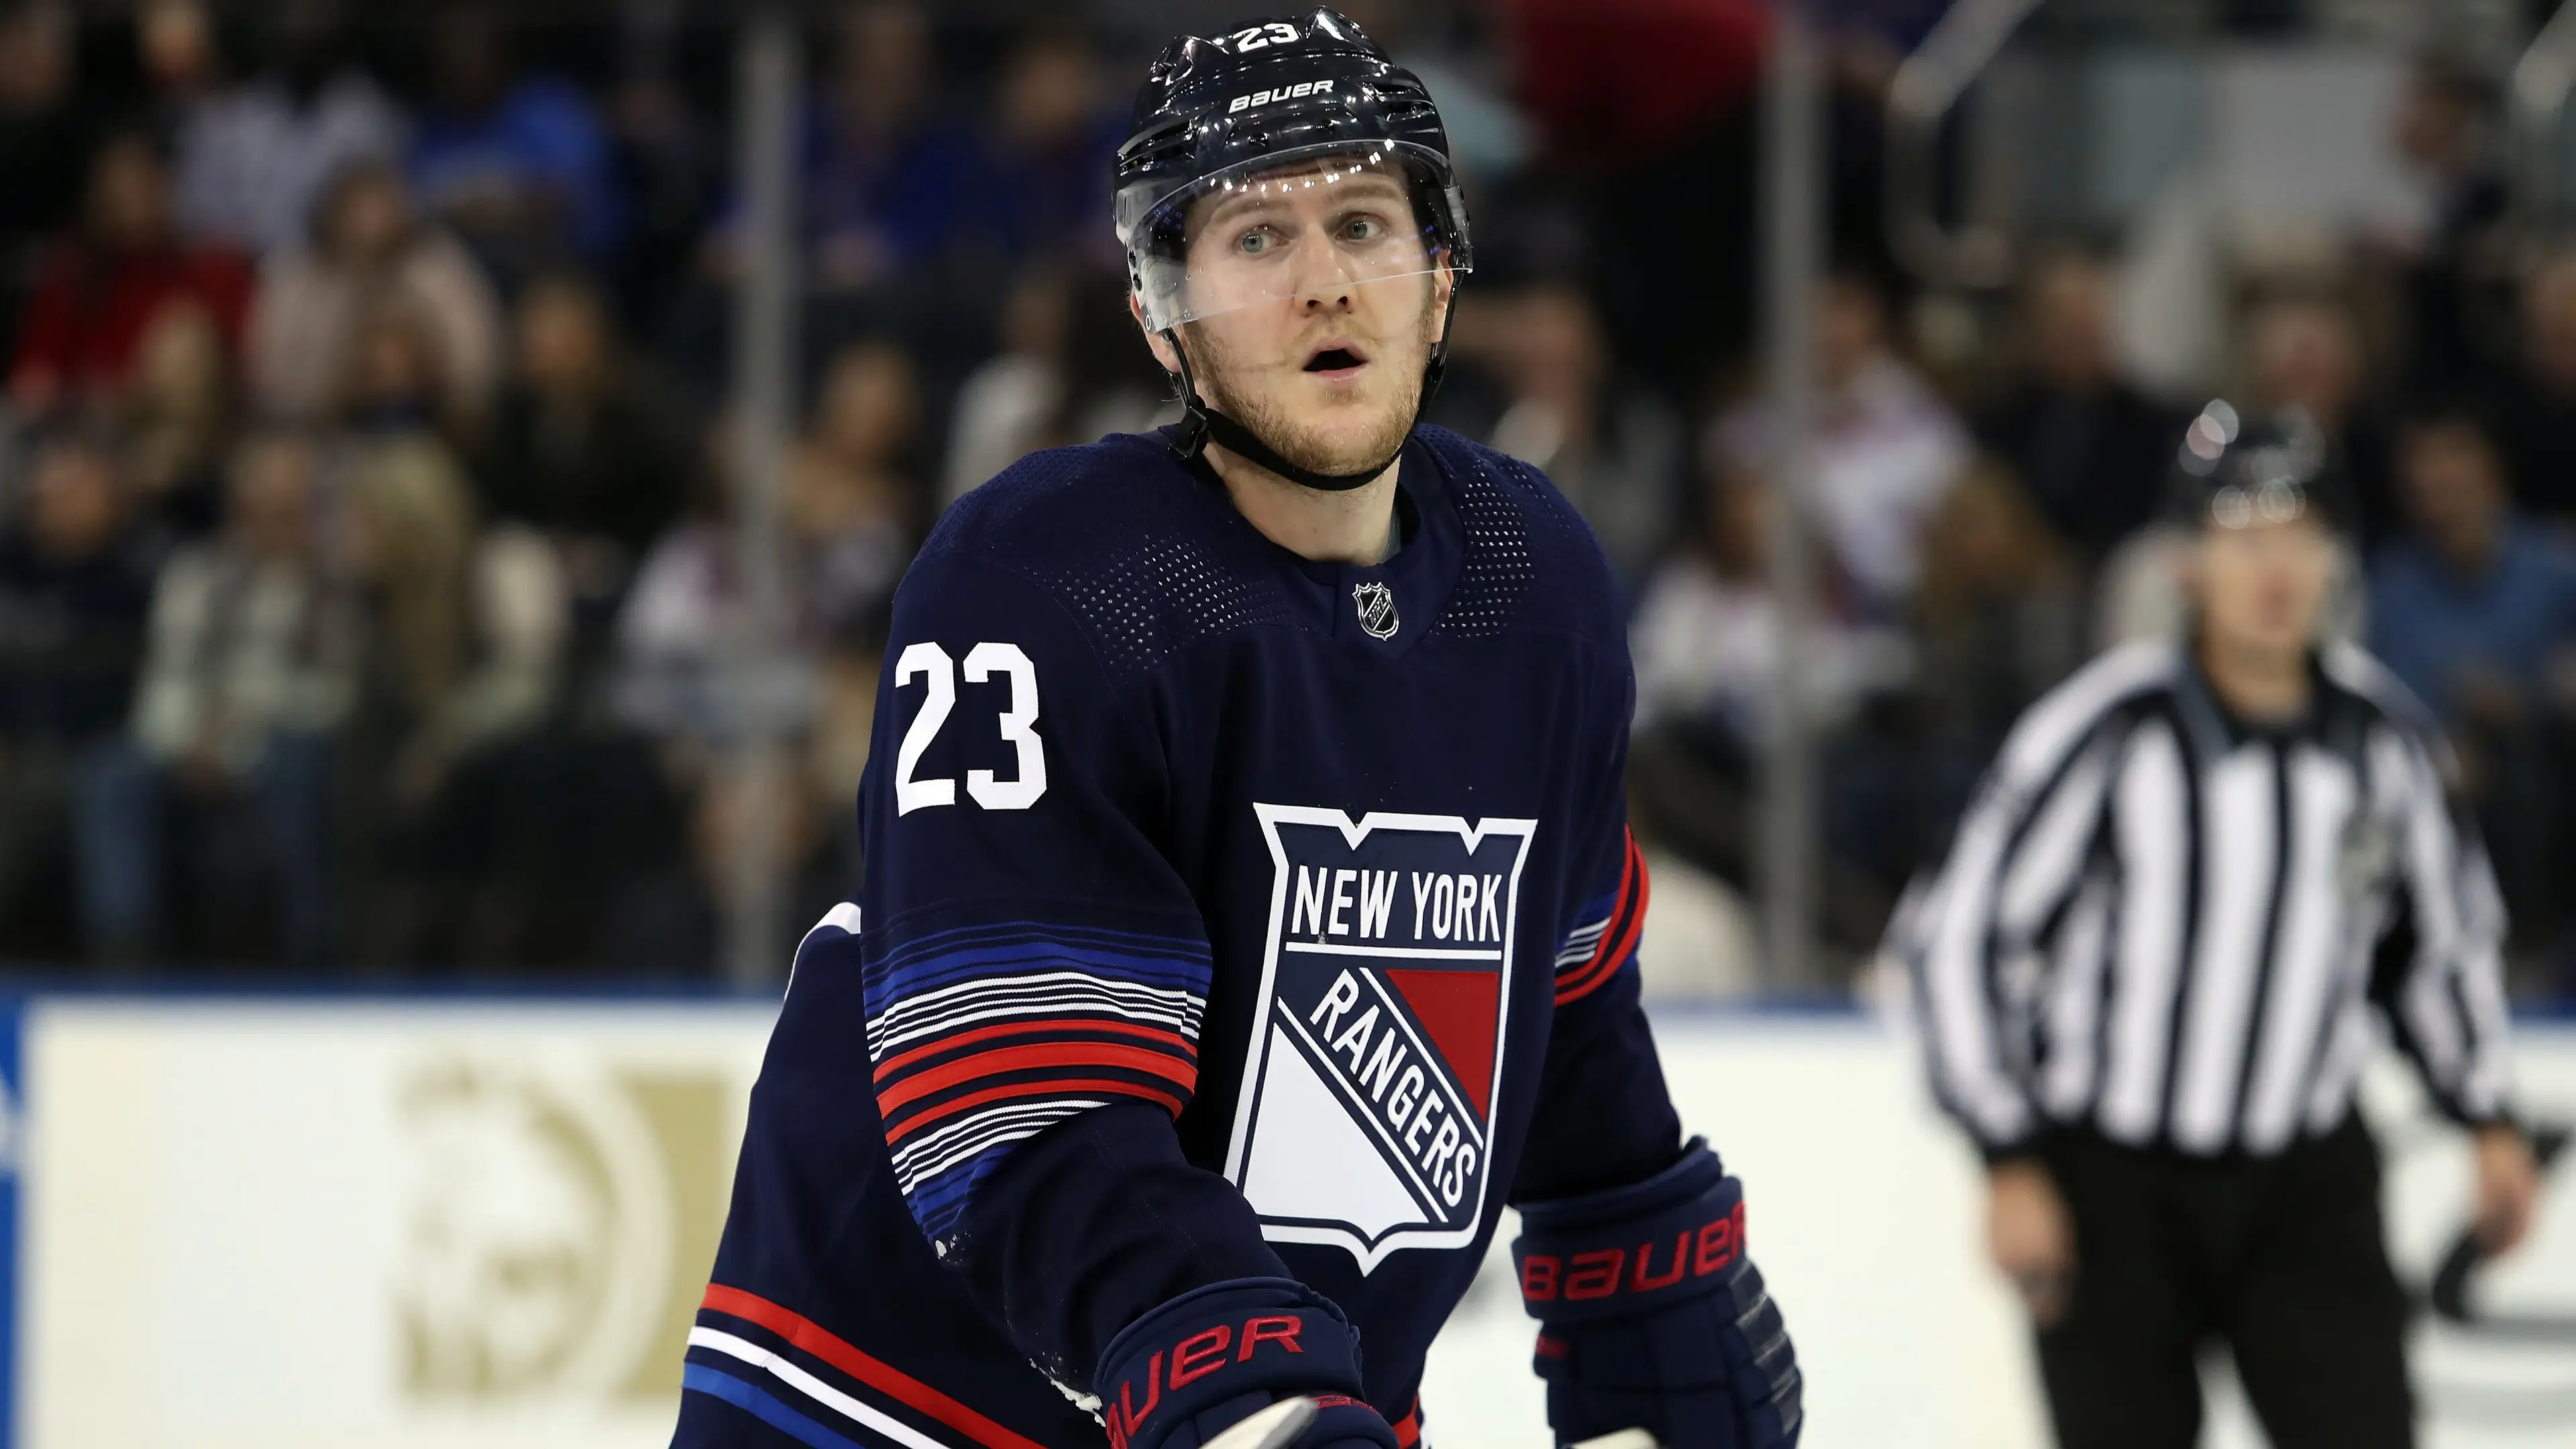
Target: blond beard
{"x":1278,"y":427}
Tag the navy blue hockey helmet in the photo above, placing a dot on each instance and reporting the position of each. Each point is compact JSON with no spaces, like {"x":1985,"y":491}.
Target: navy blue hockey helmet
{"x":1279,"y":104}
{"x":2233,"y":473}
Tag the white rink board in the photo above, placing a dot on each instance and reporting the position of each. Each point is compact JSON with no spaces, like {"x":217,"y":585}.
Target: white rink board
{"x":303,"y":1224}
{"x":428,"y":1224}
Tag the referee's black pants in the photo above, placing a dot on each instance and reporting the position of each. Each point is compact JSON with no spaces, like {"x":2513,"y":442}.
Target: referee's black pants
{"x":2280,"y":1258}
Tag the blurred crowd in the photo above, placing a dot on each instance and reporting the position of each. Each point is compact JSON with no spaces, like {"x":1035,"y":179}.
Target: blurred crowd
{"x":369,"y":592}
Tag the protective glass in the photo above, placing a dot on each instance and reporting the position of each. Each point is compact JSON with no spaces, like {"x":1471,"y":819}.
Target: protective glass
{"x":1304,"y":223}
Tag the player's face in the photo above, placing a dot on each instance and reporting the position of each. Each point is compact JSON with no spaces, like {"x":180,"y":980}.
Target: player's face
{"x":2263,"y":586}
{"x":1319,"y":308}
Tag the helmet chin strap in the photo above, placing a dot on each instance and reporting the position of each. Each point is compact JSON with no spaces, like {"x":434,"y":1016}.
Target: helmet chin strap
{"x":1201,"y":424}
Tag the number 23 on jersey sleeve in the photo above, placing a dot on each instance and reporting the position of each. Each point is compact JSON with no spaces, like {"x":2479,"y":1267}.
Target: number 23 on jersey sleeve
{"x":1029,"y":954}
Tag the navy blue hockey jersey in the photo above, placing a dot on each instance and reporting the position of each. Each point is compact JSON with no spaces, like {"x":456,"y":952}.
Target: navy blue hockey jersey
{"x":1225,"y":914}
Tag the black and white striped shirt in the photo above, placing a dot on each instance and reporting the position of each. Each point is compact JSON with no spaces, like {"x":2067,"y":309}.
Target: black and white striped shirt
{"x":2170,"y":928}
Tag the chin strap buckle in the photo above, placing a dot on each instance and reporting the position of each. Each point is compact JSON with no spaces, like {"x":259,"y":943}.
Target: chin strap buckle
{"x":1190,"y":438}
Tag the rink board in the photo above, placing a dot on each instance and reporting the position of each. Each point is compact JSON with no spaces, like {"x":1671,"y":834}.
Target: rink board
{"x":422,"y":1223}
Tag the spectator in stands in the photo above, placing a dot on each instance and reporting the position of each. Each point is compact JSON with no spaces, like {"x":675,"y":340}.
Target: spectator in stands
{"x":1707,"y":632}
{"x":671,"y":922}
{"x":1707,"y":640}
{"x":517,"y":164}
{"x":1004,"y":408}
{"x":393,"y":380}
{"x":1112,"y":385}
{"x":1646,"y":108}
{"x":367,"y":244}
{"x":2447,"y":131}
{"x":99,"y":294}
{"x":1998,"y":621}
{"x":1034,"y":188}
{"x":468,"y":625}
{"x":884,"y":175}
{"x":854,"y":489}
{"x":2536,"y":404}
{"x":75,"y":576}
{"x":667,"y":158}
{"x":1616,"y":450}
{"x":588,"y":444}
{"x":2304,"y":353}
{"x":1069,"y":371}
{"x":851,"y":497}
{"x":465,"y":645}
{"x":836,"y":749}
{"x":2089,"y":449}
{"x":1887,"y":448}
{"x":254,"y":157}
{"x":174,"y":49}
{"x":46,"y":126}
{"x":75,"y":581}
{"x":251,"y":666}
{"x":2475,"y":609}
{"x":177,"y":420}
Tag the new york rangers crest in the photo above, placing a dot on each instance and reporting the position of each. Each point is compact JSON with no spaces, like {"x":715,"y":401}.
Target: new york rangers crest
{"x":1369,"y":1085}
{"x":1376,"y":603}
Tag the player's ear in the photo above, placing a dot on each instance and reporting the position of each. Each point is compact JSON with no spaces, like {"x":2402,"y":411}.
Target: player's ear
{"x":1444,"y":284}
{"x":1163,"y":351}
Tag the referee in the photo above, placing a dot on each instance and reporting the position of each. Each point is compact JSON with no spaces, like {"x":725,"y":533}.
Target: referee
{"x":2149,"y":973}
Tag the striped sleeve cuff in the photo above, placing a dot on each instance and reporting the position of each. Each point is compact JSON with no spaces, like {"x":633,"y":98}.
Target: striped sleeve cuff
{"x":985,"y":1036}
{"x":1606,"y":942}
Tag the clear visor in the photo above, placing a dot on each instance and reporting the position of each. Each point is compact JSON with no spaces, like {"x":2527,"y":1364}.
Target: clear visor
{"x":1285,"y":228}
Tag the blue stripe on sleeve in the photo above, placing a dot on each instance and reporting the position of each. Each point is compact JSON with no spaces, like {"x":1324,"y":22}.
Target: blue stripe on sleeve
{"x":763,"y":1406}
{"x":894,"y":982}
{"x":1186,"y":947}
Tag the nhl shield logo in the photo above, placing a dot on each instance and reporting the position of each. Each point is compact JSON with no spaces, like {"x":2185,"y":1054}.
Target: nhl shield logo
{"x":1376,"y":603}
{"x":1369,"y":1084}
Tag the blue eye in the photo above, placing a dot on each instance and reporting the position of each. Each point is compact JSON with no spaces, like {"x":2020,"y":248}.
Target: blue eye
{"x":1255,"y":242}
{"x":1363,"y":228}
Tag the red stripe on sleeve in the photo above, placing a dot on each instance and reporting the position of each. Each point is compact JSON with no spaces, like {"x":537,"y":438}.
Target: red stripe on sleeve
{"x":803,"y":1333}
{"x":1170,"y":1039}
{"x":1037,"y":1055}
{"x":1618,"y":937}
{"x":1051,"y":1087}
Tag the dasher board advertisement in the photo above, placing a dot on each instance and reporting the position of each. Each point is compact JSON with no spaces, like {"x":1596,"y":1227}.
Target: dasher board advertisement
{"x":435,"y":1223}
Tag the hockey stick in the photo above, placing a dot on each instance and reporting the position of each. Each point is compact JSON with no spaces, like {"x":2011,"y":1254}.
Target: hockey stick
{"x":1279,"y":1425}
{"x":1275,"y":1427}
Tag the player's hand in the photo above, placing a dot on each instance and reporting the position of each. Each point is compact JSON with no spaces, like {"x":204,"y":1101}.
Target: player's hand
{"x":2508,"y":1188}
{"x":1254,"y":1363}
{"x":1655,"y":1328}
{"x":2031,"y":1237}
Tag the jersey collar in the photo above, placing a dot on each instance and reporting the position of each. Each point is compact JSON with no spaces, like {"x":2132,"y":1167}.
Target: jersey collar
{"x":1381,"y":609}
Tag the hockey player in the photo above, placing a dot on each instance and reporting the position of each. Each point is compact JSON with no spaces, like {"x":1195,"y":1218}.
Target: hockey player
{"x":1249,"y":911}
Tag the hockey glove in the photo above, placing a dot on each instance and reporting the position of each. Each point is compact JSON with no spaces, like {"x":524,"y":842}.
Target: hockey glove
{"x":1203,"y":1364}
{"x":1651,"y":1317}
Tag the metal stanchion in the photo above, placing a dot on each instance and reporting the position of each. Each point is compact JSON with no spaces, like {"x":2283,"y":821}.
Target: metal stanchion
{"x":1793,"y":207}
{"x":767,"y":74}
